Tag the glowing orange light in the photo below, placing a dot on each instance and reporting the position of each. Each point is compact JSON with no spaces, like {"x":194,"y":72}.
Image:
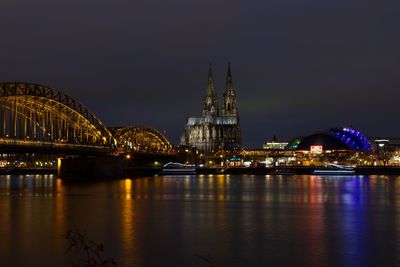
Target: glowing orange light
{"x":316,"y":149}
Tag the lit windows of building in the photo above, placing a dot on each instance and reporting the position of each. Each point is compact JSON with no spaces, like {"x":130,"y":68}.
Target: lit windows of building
{"x":275,"y":145}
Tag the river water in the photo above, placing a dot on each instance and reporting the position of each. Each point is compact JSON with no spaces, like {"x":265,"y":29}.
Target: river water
{"x":205,"y":220}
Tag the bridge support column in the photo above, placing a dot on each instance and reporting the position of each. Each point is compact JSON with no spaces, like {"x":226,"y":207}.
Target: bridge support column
{"x":93,"y":167}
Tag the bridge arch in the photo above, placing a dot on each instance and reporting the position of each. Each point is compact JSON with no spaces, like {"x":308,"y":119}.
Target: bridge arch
{"x":37,"y":113}
{"x":141,"y":138}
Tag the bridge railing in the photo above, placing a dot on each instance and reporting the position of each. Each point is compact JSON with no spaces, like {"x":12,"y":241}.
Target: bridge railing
{"x":27,"y":142}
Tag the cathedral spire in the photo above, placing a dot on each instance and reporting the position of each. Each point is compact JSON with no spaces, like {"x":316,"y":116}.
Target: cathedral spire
{"x":210,"y":103}
{"x":229,"y":78}
{"x":229,"y":107}
{"x":210,"y":87}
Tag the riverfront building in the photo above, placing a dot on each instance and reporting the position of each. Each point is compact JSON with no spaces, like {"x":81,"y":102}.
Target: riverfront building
{"x":215,"y":130}
{"x":275,"y":144}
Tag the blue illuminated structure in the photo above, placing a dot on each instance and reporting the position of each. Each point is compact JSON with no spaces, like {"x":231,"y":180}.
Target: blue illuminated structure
{"x":352,"y":138}
{"x":333,"y":139}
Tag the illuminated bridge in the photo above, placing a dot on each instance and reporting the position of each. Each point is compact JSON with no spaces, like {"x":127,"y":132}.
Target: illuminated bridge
{"x":40,"y":119}
{"x":141,"y":139}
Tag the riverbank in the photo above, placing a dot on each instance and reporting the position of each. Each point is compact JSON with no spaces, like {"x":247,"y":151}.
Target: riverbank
{"x":24,"y":171}
{"x":287,"y":170}
{"x":362,"y":170}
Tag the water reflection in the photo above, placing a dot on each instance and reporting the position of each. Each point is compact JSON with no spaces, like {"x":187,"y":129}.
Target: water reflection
{"x":60,"y":212}
{"x":231,"y":220}
{"x":127,"y":217}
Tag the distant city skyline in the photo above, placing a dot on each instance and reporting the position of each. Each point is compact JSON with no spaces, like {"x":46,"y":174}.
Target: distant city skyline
{"x":298,"y":66}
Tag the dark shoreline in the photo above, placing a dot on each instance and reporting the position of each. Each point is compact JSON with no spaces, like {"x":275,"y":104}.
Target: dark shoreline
{"x":27,"y":171}
{"x":287,"y":170}
{"x":364,"y":170}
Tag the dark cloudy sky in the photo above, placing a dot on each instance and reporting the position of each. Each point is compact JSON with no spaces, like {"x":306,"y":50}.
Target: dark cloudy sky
{"x":298,"y":65}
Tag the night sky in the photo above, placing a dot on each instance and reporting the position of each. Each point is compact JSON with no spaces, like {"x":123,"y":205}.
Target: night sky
{"x":298,"y":66}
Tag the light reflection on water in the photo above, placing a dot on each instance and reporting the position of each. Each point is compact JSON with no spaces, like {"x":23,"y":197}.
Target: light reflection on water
{"x":230,"y":220}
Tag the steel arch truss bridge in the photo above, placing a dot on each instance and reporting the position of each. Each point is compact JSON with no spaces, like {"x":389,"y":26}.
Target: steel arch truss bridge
{"x":141,"y":139}
{"x":32,"y":114}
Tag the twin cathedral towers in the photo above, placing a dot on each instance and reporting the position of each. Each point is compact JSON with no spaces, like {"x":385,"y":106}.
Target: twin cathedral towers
{"x":215,"y":130}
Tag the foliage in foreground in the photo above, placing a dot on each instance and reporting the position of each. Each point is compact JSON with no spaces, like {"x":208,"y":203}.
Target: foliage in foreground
{"x":85,"y":252}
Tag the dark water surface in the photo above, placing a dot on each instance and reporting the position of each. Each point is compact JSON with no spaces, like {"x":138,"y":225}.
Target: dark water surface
{"x":220,"y":220}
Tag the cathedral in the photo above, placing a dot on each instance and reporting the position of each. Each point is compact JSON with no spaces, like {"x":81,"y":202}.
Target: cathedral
{"x":215,"y":130}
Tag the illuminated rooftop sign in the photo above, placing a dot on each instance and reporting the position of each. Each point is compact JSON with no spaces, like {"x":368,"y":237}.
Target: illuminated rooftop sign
{"x":316,"y":149}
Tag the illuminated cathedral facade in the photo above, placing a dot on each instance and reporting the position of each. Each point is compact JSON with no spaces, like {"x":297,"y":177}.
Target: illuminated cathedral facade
{"x":215,"y":130}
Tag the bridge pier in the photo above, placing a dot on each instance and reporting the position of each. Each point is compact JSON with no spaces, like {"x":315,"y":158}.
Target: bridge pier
{"x":93,"y":167}
{"x":112,"y":166}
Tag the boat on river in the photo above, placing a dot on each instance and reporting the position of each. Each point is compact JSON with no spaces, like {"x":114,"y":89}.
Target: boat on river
{"x":178,"y":168}
{"x":335,"y":169}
